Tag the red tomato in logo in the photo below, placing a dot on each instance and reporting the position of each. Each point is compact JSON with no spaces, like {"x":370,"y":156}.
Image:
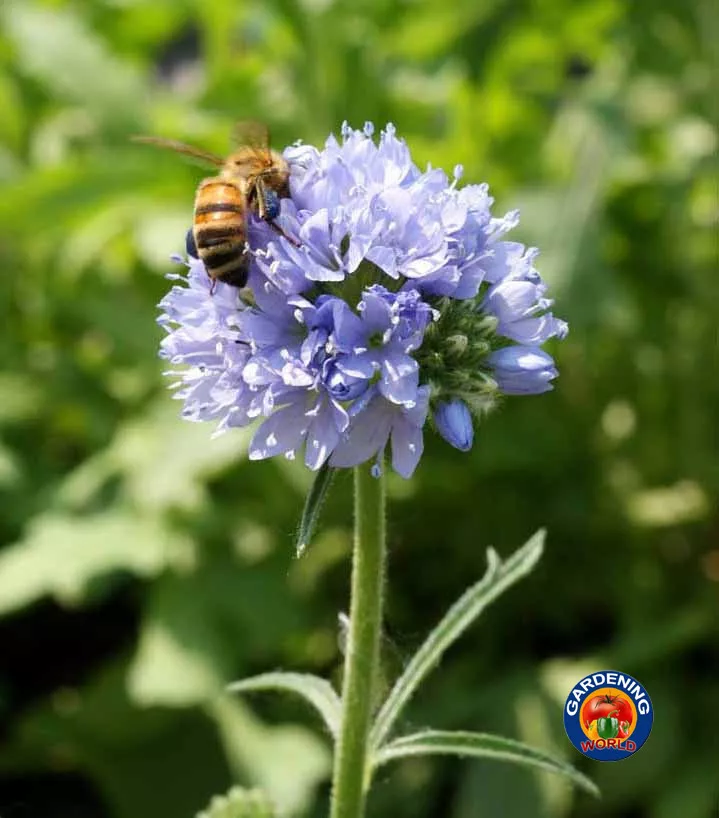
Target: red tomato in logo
{"x":597,"y":707}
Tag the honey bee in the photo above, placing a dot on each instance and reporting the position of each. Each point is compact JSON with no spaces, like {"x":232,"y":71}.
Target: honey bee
{"x":252,"y":178}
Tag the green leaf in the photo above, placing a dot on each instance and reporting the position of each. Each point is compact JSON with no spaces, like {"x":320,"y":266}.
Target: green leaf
{"x":313,"y":506}
{"x":167,"y":461}
{"x":498,"y":577}
{"x":12,"y":122}
{"x":479,"y":745}
{"x":315,"y":691}
{"x":164,"y":461}
{"x":188,"y":648}
{"x":182,"y":658}
{"x":142,"y":762}
{"x":239,"y":803}
{"x":58,"y":49}
{"x":62,"y":555}
{"x":288,"y":761}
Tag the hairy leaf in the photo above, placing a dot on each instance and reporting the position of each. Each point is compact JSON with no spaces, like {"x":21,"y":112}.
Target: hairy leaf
{"x":479,"y":745}
{"x":498,"y":577}
{"x":315,"y":691}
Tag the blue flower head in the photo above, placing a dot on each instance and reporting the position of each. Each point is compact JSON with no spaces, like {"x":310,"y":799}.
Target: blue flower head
{"x":392,"y":294}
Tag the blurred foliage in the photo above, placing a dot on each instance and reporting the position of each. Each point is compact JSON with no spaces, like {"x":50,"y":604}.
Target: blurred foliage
{"x":239,"y":803}
{"x":145,"y":565}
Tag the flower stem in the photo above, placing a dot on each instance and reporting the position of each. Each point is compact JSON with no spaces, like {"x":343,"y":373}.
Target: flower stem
{"x":362,"y":653}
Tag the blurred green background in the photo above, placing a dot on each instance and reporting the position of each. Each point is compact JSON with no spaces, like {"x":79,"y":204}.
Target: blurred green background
{"x":143,"y":565}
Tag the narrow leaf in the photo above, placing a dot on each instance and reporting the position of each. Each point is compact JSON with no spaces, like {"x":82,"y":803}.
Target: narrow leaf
{"x":239,"y":803}
{"x":498,"y":577}
{"x":313,"y":506}
{"x":480,"y":745}
{"x":315,"y":691}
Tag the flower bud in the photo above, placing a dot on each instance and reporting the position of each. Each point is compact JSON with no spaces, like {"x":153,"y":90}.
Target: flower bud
{"x":454,"y":423}
{"x":523,"y":370}
{"x":458,"y":343}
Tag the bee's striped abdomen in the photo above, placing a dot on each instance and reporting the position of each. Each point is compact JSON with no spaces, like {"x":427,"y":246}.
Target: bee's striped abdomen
{"x":220,"y":231}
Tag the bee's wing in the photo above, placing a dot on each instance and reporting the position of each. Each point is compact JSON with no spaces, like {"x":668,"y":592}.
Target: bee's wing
{"x":203,"y":157}
{"x":252,"y":134}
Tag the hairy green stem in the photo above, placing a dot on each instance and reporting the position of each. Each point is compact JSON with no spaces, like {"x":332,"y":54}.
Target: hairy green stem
{"x":351,"y":767}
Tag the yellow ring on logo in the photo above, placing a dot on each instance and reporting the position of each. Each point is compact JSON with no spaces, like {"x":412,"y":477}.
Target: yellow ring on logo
{"x":614,"y":692}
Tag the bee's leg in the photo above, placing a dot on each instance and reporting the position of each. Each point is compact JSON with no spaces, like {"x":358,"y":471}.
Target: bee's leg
{"x":284,"y":235}
{"x":213,"y":285}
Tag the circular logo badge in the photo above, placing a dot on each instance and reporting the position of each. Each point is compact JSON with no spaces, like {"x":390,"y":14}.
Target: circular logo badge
{"x":608,"y":715}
